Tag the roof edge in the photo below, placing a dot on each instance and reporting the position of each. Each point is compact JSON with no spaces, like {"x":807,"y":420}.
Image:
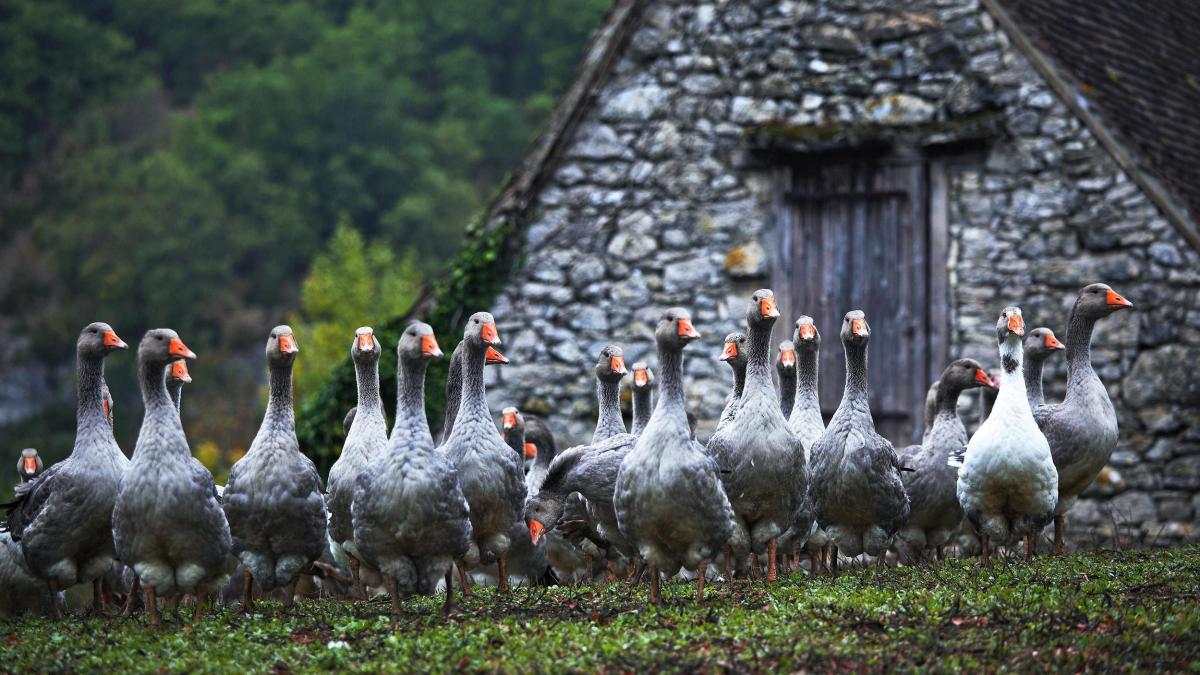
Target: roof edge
{"x":1158,"y":193}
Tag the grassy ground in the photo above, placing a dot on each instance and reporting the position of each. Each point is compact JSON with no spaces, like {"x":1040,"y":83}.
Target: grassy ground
{"x":1134,"y":610}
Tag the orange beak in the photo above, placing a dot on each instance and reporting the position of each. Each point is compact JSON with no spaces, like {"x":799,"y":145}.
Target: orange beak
{"x":111,"y":340}
{"x":1053,"y":343}
{"x":807,"y":331}
{"x":366,"y":342}
{"x":787,"y":357}
{"x":489,"y":334}
{"x":530,"y":451}
{"x":30,"y":464}
{"x":1114,"y":299}
{"x":617,"y":364}
{"x":429,"y":347}
{"x":104,"y":405}
{"x":729,"y":353}
{"x":495,"y":358}
{"x":179,"y":371}
{"x":536,"y":528}
{"x":178,"y":349}
{"x":686,"y":330}
{"x":766,"y":307}
{"x":858,"y":327}
{"x":982,"y":378}
{"x":287,"y":344}
{"x":1016,"y":325}
{"x":640,"y":378}
{"x":508,"y":421}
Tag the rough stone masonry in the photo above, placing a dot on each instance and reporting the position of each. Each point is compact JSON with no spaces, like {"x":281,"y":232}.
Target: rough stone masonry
{"x":655,"y":202}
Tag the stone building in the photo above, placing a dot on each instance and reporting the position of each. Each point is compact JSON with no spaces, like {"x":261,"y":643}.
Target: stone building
{"x":928,"y":161}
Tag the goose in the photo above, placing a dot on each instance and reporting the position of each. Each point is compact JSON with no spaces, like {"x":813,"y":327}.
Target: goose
{"x":1007,"y":484}
{"x":934,"y":514}
{"x":409,"y":514}
{"x":23,"y":592}
{"x":569,"y":561}
{"x":106,"y":402}
{"x":62,"y":519}
{"x":735,"y":353}
{"x":273,"y":499}
{"x":527,"y":560}
{"x":512,"y":426}
{"x":29,"y":466}
{"x":367,"y":438}
{"x":490,"y":473}
{"x":348,"y":420}
{"x":668,"y":496}
{"x":643,"y":382}
{"x":785,"y":367}
{"x":805,"y":419}
{"x":857,"y":494}
{"x":1039,"y":345}
{"x":761,"y":460}
{"x":610,"y":369}
{"x":177,"y":375}
{"x":1082,"y":430}
{"x":167,"y":522}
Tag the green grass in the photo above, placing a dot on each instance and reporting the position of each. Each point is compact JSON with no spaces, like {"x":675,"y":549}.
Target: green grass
{"x":1134,"y":610}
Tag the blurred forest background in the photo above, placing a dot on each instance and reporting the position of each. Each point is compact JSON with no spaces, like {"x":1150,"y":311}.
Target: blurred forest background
{"x":221,"y":166}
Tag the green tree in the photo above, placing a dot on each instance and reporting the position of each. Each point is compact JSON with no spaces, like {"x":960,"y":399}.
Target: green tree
{"x":351,"y":284}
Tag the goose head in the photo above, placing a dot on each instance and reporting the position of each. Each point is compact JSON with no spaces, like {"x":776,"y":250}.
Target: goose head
{"x":762,"y":309}
{"x":736,"y":351}
{"x":965,"y":374}
{"x":161,"y":346}
{"x":806,"y":336}
{"x":787,"y":357}
{"x":511,"y":421}
{"x":98,"y":340}
{"x":365,"y":349}
{"x":481,"y":331}
{"x":281,"y":347}
{"x":542,"y":513}
{"x":610,"y":367}
{"x":855,"y":330}
{"x":1097,"y":301}
{"x":643,"y":377}
{"x":30,"y":465}
{"x":1010,"y":325}
{"x":416,"y":343}
{"x":675,"y":329}
{"x":178,"y":373}
{"x":1040,"y":343}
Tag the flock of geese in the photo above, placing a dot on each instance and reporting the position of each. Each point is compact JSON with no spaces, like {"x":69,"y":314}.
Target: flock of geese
{"x":404,"y":512}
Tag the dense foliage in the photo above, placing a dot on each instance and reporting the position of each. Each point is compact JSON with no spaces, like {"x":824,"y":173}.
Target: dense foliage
{"x":183,"y":163}
{"x":1101,"y":611}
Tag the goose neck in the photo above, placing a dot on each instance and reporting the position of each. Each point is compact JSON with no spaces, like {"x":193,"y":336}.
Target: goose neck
{"x":609,"y":422}
{"x":474,"y":396}
{"x":1079,"y":344}
{"x":641,"y":409}
{"x":90,"y":412}
{"x":159,"y":406}
{"x":175,"y":391}
{"x":758,"y":362}
{"x":280,"y":414}
{"x":806,"y":380}
{"x":410,"y":397}
{"x":366,"y":375}
{"x":670,"y":363}
{"x":1012,"y":376}
{"x":946,"y":403}
{"x":1033,"y":382}
{"x":856,"y":372}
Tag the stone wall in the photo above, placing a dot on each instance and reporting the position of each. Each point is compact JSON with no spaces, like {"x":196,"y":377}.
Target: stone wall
{"x":661,"y":199}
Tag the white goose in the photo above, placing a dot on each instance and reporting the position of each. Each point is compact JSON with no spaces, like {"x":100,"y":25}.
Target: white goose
{"x":1007,"y":483}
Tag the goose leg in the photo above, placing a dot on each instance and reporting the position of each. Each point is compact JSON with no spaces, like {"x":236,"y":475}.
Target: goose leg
{"x":1060,"y":527}
{"x":395,"y":593}
{"x":358,"y":585}
{"x":655,"y":592}
{"x":701,"y":570}
{"x":463,"y":578}
{"x":814,"y":563}
{"x":58,"y":615}
{"x":291,"y":598}
{"x":833,"y":560}
{"x":248,"y":591}
{"x":984,"y":557}
{"x":636,"y":576}
{"x":941,"y":553}
{"x":754,"y":570}
{"x":449,"y":605}
{"x":728,"y":563}
{"x":198,"y":612}
{"x":587,"y":562}
{"x":152,"y":605}
{"x":502,"y":564}
{"x":772,"y":573}
{"x":98,"y":604}
{"x":132,"y":599}
{"x":1030,"y":545}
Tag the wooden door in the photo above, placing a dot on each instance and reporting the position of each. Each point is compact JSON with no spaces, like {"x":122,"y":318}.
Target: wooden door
{"x":859,"y":239}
